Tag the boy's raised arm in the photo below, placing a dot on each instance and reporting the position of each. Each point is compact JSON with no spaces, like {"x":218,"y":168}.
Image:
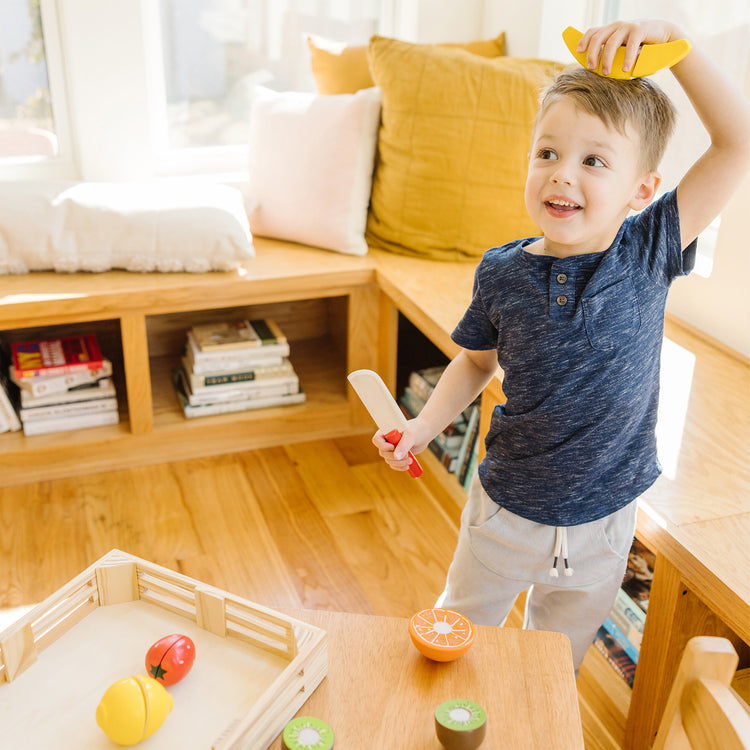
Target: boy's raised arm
{"x":723,"y":109}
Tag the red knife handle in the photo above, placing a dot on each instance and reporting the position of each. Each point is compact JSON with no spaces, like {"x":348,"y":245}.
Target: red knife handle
{"x":414,"y":470}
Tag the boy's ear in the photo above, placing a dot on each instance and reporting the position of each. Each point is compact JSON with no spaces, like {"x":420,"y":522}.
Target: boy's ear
{"x":645,"y":191}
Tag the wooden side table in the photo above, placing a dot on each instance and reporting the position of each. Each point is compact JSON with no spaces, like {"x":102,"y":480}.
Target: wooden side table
{"x":380,"y":692}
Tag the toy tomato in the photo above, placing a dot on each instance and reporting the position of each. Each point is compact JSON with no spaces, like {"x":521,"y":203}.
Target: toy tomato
{"x":170,"y":658}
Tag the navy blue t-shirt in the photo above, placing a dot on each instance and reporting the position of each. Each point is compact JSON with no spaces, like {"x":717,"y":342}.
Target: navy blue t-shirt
{"x":579,"y":340}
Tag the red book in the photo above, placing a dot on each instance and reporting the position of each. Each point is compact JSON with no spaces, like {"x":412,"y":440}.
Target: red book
{"x":33,"y":359}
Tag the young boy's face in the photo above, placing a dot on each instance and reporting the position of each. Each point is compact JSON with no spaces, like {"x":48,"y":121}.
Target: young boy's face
{"x":584,"y":178}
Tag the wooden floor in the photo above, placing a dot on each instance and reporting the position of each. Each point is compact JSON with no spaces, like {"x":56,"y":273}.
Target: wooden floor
{"x":319,"y":525}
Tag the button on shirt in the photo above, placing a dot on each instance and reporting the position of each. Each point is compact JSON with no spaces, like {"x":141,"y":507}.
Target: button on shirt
{"x":579,"y":340}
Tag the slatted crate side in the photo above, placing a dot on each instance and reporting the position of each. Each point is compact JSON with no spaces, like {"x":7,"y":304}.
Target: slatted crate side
{"x":218,"y":611}
{"x":261,"y":626}
{"x":284,"y":698}
{"x":23,"y":641}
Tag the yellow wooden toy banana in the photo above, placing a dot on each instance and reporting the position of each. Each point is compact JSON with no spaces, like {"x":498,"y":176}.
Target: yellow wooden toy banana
{"x":651,"y":58}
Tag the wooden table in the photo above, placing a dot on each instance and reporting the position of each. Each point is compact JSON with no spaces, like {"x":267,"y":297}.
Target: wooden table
{"x":380,"y":692}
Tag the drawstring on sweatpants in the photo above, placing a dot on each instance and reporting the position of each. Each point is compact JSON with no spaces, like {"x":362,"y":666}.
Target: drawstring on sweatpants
{"x":561,"y":549}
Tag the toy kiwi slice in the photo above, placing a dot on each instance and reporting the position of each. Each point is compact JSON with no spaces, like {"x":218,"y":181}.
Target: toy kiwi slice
{"x":307,"y":733}
{"x":651,"y":58}
{"x":460,"y":724}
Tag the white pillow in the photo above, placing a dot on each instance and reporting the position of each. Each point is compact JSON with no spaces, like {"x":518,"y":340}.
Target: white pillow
{"x":311,"y":166}
{"x":171,"y":225}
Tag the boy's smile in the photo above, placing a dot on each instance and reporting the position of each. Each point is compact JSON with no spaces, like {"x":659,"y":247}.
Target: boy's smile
{"x":584,"y":178}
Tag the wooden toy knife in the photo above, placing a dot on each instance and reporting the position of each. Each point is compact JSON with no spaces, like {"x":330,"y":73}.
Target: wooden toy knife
{"x":384,"y":410}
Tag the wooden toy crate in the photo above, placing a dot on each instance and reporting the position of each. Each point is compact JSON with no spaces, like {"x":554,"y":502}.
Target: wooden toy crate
{"x":254,"y":667}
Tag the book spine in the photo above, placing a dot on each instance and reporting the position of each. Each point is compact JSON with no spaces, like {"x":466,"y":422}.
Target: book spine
{"x":621,"y":639}
{"x":617,"y":658}
{"x":237,"y":406}
{"x":76,"y":407}
{"x":103,"y":388}
{"x":471,"y":467}
{"x":70,"y":422}
{"x":268,"y":332}
{"x":266,"y":390}
{"x":220,"y":379}
{"x":464,"y":452}
{"x":629,"y":617}
{"x":8,"y":413}
{"x":422,"y":382}
{"x":232,"y":359}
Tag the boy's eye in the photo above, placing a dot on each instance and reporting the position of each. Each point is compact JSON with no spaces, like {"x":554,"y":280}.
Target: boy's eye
{"x":547,"y":153}
{"x":593,"y":161}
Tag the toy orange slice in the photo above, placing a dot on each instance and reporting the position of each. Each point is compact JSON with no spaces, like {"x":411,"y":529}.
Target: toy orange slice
{"x":651,"y":58}
{"x":441,"y":634}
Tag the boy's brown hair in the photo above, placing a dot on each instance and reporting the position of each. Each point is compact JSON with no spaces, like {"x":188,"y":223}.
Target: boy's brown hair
{"x":637,"y":101}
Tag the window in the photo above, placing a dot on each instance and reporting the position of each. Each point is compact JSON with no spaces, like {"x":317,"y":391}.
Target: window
{"x":27,"y":127}
{"x":215,"y":52}
{"x":136,"y":90}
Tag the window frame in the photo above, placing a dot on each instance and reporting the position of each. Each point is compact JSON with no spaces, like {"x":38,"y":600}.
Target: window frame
{"x":94,"y":143}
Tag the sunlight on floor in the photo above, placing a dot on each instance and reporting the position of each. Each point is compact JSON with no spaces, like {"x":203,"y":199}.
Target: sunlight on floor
{"x":677,"y":365}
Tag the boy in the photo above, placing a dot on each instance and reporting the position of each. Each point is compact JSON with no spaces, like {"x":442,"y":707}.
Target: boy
{"x":575,"y":319}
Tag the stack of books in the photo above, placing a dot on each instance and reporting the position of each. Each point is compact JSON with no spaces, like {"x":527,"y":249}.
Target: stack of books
{"x":63,"y":384}
{"x":457,"y":446}
{"x":620,"y":636}
{"x":236,"y":366}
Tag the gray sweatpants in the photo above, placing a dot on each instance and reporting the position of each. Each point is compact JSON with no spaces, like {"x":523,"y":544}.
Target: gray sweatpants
{"x":499,"y":555}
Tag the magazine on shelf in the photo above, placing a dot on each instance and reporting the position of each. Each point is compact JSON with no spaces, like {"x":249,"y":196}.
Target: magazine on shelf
{"x":59,"y":356}
{"x":70,"y":422}
{"x":217,"y":380}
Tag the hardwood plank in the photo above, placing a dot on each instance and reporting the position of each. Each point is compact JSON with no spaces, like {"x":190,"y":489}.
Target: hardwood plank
{"x":311,"y":553}
{"x":227,"y":518}
{"x":329,"y":483}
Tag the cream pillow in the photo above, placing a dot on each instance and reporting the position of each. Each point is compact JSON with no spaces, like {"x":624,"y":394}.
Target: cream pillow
{"x":166,"y":225}
{"x":453,"y":147}
{"x":311,"y":165}
{"x":340,"y":68}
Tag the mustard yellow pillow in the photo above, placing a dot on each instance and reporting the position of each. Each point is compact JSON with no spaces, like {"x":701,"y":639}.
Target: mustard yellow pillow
{"x":452,"y":149}
{"x":339,"y":68}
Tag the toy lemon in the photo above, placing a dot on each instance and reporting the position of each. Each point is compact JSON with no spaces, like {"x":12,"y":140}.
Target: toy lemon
{"x":132,"y":709}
